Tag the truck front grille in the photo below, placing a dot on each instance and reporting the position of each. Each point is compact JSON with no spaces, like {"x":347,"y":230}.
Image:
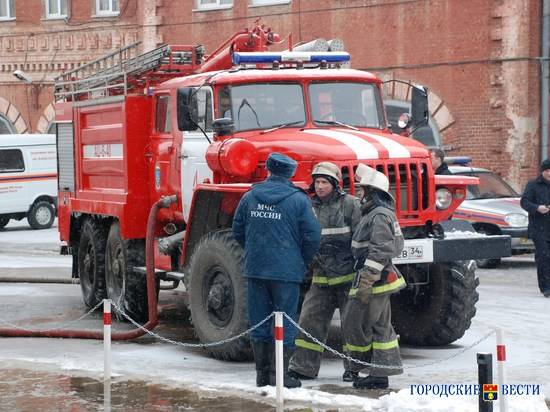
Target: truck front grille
{"x":408,"y":184}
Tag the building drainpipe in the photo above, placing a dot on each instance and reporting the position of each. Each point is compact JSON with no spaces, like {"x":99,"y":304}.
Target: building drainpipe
{"x":544,"y":72}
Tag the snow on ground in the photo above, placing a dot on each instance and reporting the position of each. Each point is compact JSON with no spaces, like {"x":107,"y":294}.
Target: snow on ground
{"x":23,"y":247}
{"x":20,"y":233}
{"x":509,"y":299}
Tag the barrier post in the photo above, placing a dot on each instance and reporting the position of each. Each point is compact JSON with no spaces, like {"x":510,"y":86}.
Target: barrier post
{"x":279,"y":372}
{"x":106,"y":355}
{"x":501,"y":358}
{"x":484,"y":377}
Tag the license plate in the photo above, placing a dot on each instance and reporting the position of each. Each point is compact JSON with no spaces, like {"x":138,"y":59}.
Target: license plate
{"x":524,"y":241}
{"x":412,"y":252}
{"x":416,"y":251}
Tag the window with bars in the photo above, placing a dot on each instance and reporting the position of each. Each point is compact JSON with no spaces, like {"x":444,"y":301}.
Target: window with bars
{"x":214,"y":4}
{"x":107,"y":7}
{"x":7,"y":9}
{"x":56,"y":9}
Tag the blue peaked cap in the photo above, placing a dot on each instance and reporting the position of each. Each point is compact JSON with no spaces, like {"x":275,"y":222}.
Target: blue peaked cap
{"x":281,"y":165}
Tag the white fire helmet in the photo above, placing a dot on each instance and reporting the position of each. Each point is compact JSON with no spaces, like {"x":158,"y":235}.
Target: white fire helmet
{"x":371,"y":177}
{"x":327,"y":169}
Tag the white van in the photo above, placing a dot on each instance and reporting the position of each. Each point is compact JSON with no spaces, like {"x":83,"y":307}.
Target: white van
{"x":28,"y":179}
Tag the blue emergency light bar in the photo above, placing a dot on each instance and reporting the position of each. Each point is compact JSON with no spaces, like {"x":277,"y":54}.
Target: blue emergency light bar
{"x":458,"y":160}
{"x":283,"y":57}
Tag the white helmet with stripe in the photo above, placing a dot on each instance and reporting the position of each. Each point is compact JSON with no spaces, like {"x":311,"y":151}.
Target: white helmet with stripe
{"x":372,"y":177}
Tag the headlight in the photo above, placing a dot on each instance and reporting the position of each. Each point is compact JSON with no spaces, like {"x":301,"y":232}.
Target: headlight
{"x":516,"y":219}
{"x":443,"y":198}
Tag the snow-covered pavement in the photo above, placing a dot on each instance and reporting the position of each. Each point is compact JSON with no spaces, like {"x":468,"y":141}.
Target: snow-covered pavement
{"x":509,"y":299}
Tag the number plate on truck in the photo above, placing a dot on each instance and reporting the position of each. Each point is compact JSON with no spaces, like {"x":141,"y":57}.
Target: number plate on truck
{"x":416,"y":251}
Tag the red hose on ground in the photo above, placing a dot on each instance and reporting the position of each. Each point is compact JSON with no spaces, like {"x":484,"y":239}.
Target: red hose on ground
{"x":151,"y":295}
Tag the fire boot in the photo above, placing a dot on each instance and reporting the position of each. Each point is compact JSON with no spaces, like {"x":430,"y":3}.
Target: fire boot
{"x":371,"y":382}
{"x":350,"y":376}
{"x":262,"y":357}
{"x":288,"y":381}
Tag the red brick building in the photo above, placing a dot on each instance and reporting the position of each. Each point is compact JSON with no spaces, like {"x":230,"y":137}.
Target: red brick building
{"x":479,"y":59}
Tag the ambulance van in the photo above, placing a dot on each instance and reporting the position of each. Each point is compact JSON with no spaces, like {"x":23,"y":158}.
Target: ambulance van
{"x":28,"y":179}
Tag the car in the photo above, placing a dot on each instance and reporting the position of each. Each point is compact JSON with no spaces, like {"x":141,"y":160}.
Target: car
{"x":493,"y":208}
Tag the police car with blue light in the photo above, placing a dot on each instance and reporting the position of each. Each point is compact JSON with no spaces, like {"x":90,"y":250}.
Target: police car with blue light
{"x":492,"y":208}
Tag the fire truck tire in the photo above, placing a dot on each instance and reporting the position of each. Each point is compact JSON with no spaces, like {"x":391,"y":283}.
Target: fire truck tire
{"x":125,"y":287}
{"x":440,"y":312}
{"x":218,"y":295}
{"x":4,"y":221}
{"x":41,"y":215}
{"x":91,"y":262}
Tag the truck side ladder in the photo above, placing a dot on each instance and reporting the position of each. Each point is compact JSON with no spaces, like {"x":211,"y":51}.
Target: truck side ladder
{"x":124,"y":70}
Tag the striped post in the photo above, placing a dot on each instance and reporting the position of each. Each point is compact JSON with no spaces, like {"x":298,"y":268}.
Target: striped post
{"x":501,"y":358}
{"x":279,"y":372}
{"x":106,"y":355}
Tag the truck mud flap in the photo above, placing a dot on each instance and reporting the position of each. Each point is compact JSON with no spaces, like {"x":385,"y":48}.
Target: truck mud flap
{"x":487,"y":247}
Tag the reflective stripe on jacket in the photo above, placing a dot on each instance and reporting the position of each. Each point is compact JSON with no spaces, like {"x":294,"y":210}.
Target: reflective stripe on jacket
{"x":378,"y":239}
{"x":338,"y":217}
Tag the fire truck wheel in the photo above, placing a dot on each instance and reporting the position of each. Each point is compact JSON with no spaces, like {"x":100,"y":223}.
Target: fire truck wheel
{"x":125,"y":287}
{"x":4,"y":221}
{"x":437,"y":313}
{"x":91,"y":262}
{"x":41,"y":215}
{"x":217,"y":295}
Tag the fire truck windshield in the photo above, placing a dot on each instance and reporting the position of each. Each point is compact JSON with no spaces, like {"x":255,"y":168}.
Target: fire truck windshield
{"x":353,"y":104}
{"x":269,"y":106}
{"x":263,"y":105}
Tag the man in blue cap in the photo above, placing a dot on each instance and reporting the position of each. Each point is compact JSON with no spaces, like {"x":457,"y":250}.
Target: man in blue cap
{"x":277,"y":228}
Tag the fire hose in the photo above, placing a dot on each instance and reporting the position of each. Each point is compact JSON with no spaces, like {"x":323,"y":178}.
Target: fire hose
{"x":163,"y":202}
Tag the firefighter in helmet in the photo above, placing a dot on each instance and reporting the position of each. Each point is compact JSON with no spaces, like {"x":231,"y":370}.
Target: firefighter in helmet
{"x":368,"y":332}
{"x":332,"y":268}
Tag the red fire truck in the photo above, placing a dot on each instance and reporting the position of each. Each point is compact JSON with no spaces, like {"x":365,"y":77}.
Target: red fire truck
{"x":195,"y":131}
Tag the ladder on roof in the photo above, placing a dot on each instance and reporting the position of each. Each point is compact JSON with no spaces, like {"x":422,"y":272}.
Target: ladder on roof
{"x":115,"y":72}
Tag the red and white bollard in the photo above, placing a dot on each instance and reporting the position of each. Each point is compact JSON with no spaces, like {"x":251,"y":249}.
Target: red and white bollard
{"x":501,"y":358}
{"x":106,"y":355}
{"x":279,"y":369}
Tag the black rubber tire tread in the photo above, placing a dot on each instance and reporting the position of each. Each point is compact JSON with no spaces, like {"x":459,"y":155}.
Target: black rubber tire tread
{"x":219,"y":249}
{"x":444,"y":309}
{"x":92,"y":233}
{"x":33,"y":223}
{"x":133,"y":295}
{"x":4,"y":221}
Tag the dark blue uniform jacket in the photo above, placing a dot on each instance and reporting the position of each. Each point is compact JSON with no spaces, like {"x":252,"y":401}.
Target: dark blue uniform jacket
{"x":277,"y":228}
{"x":537,"y":192}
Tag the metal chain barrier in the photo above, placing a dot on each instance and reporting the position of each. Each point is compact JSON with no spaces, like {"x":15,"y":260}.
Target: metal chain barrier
{"x":62,"y":326}
{"x":190,"y":345}
{"x":372,"y":365}
{"x":244,"y":333}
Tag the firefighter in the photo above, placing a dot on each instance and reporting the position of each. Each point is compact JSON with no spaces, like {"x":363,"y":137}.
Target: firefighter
{"x":276,"y":226}
{"x":536,"y":201}
{"x":332,"y":268}
{"x":368,"y":332}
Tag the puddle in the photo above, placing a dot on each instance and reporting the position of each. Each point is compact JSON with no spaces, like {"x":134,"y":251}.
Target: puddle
{"x":24,"y":390}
